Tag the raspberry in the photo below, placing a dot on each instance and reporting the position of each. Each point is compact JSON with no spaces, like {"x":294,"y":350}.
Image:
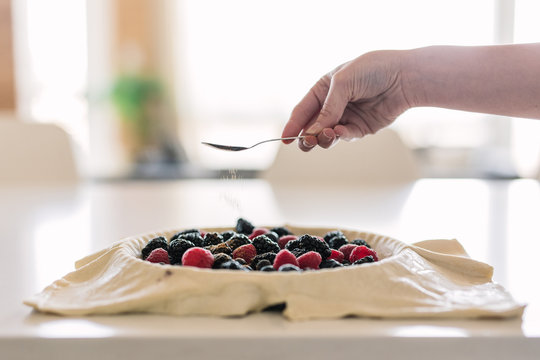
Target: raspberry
{"x":365,"y":259}
{"x":158,"y":255}
{"x":212,"y":238}
{"x":285,"y":239}
{"x":337,"y":255}
{"x":198,"y":257}
{"x":246,"y":252}
{"x":258,"y":231}
{"x":284,"y":257}
{"x":347,"y":249}
{"x":337,"y":241}
{"x":263,"y":245}
{"x":360,"y":242}
{"x":177,"y":248}
{"x":244,"y":227}
{"x":360,"y":252}
{"x":238,"y":240}
{"x":289,"y":267}
{"x":310,"y":260}
{"x":159,"y":242}
{"x":281,"y":231}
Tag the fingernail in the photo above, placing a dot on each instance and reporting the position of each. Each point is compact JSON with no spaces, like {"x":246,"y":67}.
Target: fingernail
{"x":314,"y":129}
{"x":327,"y":133}
{"x":306,"y":144}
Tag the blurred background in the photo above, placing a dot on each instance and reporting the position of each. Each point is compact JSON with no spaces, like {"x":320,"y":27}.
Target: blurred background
{"x":138,"y":84}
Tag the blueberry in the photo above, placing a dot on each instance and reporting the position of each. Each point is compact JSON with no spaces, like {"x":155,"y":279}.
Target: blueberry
{"x":289,"y":267}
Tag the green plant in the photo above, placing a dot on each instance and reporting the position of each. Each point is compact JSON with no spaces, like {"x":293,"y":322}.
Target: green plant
{"x":133,"y":97}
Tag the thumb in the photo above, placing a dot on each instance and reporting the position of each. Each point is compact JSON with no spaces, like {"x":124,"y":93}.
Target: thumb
{"x":332,"y":108}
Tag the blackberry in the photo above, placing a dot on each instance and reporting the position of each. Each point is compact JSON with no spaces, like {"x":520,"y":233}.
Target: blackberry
{"x":244,"y":227}
{"x":299,"y":252}
{"x":232,"y":265}
{"x":241,"y":261}
{"x":266,"y":256}
{"x":227,"y":235}
{"x":183,"y":232}
{"x":219,"y":259}
{"x":267,"y":268}
{"x":272,"y":236}
{"x":281,"y":231}
{"x":331,"y":234}
{"x":337,"y":241}
{"x":293,"y":245}
{"x":220,"y":248}
{"x":262,"y":264}
{"x":237,"y":241}
{"x":289,"y":267}
{"x":212,"y":238}
{"x":310,"y":243}
{"x":330,"y":263}
{"x":364,"y":260}
{"x":159,"y":242}
{"x":263,"y":244}
{"x":360,"y":242}
{"x":177,"y":248}
{"x":194,"y":237}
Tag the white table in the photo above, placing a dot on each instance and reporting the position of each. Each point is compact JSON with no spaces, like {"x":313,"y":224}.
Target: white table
{"x":44,"y":230}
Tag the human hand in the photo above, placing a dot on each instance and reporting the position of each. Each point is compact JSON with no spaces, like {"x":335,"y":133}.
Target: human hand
{"x":357,"y":98}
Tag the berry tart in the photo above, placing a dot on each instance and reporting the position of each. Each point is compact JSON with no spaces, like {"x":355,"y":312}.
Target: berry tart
{"x":305,"y":272}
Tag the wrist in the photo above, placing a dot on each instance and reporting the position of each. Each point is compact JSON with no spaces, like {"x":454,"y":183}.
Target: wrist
{"x":412,"y":83}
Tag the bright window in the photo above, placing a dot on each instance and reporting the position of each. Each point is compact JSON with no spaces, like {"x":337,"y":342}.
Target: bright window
{"x":241,"y":66}
{"x":51,"y":65}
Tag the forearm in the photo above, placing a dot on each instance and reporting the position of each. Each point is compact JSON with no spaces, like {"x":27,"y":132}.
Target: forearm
{"x":503,"y":80}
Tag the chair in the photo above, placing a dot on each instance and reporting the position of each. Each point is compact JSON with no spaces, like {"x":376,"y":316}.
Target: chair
{"x":375,"y":159}
{"x":35,"y":153}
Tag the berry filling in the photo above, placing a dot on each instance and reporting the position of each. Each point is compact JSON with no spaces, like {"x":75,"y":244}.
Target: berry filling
{"x":250,"y":248}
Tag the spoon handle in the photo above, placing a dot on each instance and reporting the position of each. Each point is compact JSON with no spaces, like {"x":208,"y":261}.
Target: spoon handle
{"x":277,"y":139}
{"x":241,"y":148}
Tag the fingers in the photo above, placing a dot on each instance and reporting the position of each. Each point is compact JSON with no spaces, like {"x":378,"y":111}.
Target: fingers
{"x":318,"y":112}
{"x":343,"y":132}
{"x":307,"y":109}
{"x":308,"y":143}
{"x":334,"y":104}
{"x":325,"y":139}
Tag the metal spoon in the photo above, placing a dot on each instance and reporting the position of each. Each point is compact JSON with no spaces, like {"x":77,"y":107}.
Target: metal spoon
{"x":241,"y":148}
